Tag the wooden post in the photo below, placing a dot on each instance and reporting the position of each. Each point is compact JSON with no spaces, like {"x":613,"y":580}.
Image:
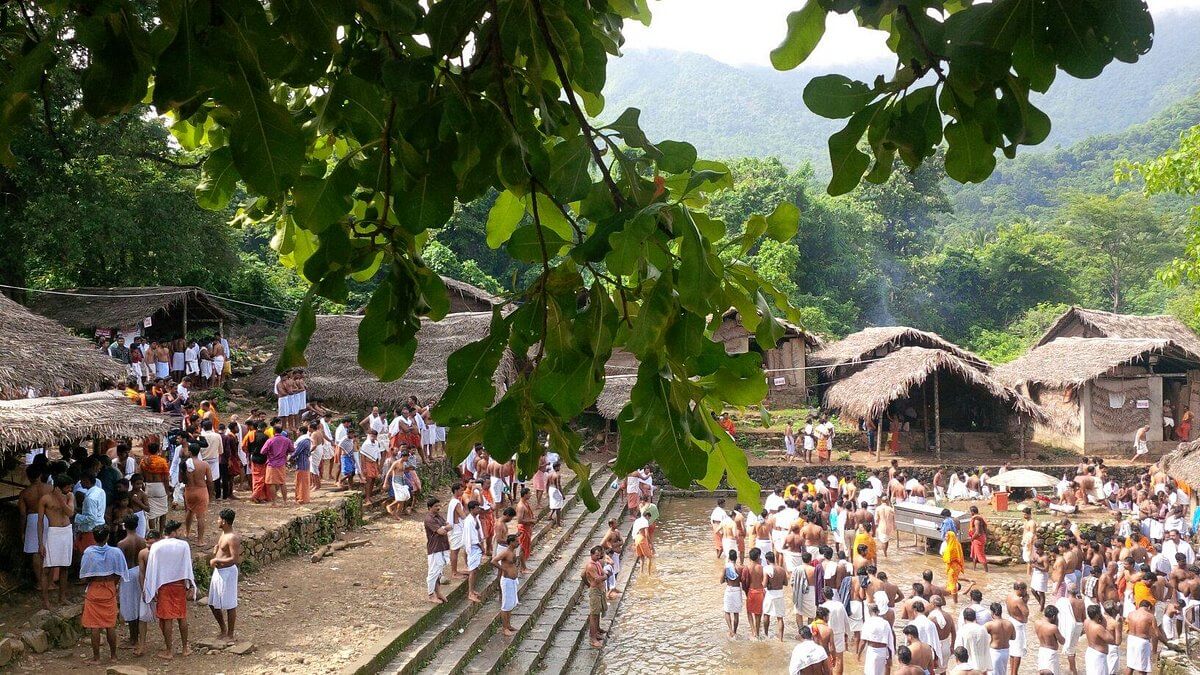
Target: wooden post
{"x":1021,"y":430}
{"x":879,"y":437}
{"x":185,"y":317}
{"x":937,"y":416}
{"x":925,"y":414}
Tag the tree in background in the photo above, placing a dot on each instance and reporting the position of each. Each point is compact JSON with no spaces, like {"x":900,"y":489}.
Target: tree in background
{"x":1128,"y":242}
{"x":355,"y":127}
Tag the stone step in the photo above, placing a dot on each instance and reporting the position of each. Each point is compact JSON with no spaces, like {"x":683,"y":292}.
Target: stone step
{"x":478,"y":648}
{"x":570,"y":650}
{"x":556,"y":597}
{"x":409,"y":650}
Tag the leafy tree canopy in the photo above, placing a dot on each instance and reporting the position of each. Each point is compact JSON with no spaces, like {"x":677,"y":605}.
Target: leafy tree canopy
{"x":355,"y":125}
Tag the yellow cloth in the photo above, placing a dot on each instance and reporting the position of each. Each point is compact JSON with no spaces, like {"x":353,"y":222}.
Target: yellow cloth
{"x":864,"y":538}
{"x":952,"y":555}
{"x":1141,"y":591}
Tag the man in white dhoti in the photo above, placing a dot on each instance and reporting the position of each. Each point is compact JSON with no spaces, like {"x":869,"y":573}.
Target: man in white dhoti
{"x":878,"y":641}
{"x":168,"y":579}
{"x":976,"y":640}
{"x":1099,"y":639}
{"x":223,"y":587}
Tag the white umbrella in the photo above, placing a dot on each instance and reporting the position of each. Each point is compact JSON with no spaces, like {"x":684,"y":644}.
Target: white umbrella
{"x":1023,"y":478}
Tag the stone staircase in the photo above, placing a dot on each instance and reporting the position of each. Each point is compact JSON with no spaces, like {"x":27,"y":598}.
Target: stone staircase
{"x":460,"y":636}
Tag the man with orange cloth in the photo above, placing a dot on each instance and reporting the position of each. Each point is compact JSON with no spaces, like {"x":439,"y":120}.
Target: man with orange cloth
{"x":169,"y":576}
{"x":103,"y":567}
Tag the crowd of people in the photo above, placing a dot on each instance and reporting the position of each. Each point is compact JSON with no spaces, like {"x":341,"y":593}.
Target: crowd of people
{"x":205,"y":362}
{"x":813,"y":564}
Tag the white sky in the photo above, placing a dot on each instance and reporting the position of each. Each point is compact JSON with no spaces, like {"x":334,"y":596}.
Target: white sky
{"x":745,"y":31}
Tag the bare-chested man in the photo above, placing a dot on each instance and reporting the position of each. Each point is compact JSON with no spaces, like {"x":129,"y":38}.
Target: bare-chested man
{"x":885,"y":514}
{"x":775,"y":578}
{"x":1001,"y":633}
{"x":922,"y":654}
{"x":223,"y":586}
{"x":755,"y":590}
{"x":130,"y":594}
{"x":1142,"y":642}
{"x":27,"y":506}
{"x":1017,"y":604}
{"x":1050,"y":641}
{"x":812,"y":536}
{"x":1100,"y":637}
{"x":506,"y":561}
{"x":613,"y":544}
{"x":55,"y":538}
{"x":525,"y":520}
{"x":198,"y":489}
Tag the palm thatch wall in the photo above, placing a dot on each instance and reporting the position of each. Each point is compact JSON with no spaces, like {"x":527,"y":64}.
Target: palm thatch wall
{"x":869,"y":392}
{"x":872,"y":342}
{"x":333,"y":374}
{"x":46,"y":421}
{"x":1093,"y":323}
{"x":37,"y":352}
{"x":105,"y":308}
{"x":1183,"y":463}
{"x":1071,"y":361}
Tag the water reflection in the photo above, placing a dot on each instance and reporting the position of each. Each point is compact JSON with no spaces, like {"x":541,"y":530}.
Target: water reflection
{"x":673,"y":622}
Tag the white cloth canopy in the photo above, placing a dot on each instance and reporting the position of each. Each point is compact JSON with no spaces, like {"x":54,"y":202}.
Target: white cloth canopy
{"x":1023,"y":478}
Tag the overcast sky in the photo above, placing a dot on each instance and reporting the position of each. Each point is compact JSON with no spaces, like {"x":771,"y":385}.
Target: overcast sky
{"x":745,"y":31}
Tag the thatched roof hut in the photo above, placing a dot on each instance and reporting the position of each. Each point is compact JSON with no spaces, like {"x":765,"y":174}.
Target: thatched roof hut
{"x":869,"y":392}
{"x":1071,"y":361}
{"x":171,"y":309}
{"x":1183,"y":463}
{"x":465,"y":297}
{"x":333,"y":374}
{"x":871,"y":343}
{"x":1093,"y":323}
{"x":39,"y":353}
{"x":620,"y":374}
{"x":40,"y":422}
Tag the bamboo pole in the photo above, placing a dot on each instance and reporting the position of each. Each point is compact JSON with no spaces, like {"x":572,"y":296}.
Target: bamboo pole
{"x":925,"y":414}
{"x":879,"y":433}
{"x":185,"y":317}
{"x":937,"y":415}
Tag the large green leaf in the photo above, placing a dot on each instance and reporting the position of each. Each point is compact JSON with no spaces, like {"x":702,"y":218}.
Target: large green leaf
{"x":387,"y":333}
{"x":805,"y":28}
{"x":185,"y":70}
{"x":321,"y":202}
{"x":298,"y":335}
{"x":267,"y":146}
{"x":784,"y":221}
{"x":218,"y":180}
{"x":849,"y":163}
{"x":836,"y":96}
{"x":503,"y":218}
{"x":470,"y":370}
{"x":655,"y":429}
{"x":970,"y":158}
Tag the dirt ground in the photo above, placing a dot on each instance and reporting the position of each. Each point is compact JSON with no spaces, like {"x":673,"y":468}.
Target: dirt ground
{"x":301,"y":617}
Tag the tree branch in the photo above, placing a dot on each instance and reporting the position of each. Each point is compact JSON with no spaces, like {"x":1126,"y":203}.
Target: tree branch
{"x":167,"y":161}
{"x":585,"y":126}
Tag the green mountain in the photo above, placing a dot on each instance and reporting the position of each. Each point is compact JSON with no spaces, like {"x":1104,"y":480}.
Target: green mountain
{"x":729,"y":111}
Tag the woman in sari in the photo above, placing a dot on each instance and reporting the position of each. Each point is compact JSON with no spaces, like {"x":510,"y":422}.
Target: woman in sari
{"x":1185,"y":427}
{"x":952,"y":556}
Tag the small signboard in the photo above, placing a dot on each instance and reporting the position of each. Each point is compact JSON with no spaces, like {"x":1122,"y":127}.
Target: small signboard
{"x":779,"y":381}
{"x":147,"y":322}
{"x":1143,"y":404}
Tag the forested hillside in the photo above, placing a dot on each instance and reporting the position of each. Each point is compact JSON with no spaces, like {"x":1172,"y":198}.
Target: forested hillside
{"x":728,"y":111}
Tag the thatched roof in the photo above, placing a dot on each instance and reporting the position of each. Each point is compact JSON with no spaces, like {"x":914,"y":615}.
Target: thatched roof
{"x":789,"y":329}
{"x":861,"y":346}
{"x":868,"y":392}
{"x":36,"y":422}
{"x":89,"y":308}
{"x":467,"y":298}
{"x":620,"y":374}
{"x":1096,"y":323}
{"x":1183,"y":463}
{"x":333,"y":374}
{"x":1071,"y":361}
{"x":37,"y":352}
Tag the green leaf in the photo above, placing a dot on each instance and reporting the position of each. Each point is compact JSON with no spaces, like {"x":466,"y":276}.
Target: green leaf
{"x":321,"y":202}
{"x":387,"y":333}
{"x":727,"y":458}
{"x":218,"y":180}
{"x":677,"y":156}
{"x":525,"y":246}
{"x":433,"y":292}
{"x":448,"y":23}
{"x":784,"y":221}
{"x":312,"y":24}
{"x":836,"y":96}
{"x":805,"y":28}
{"x":569,"y":179}
{"x":184,"y":70}
{"x":470,"y":370}
{"x":627,"y":126}
{"x":654,"y":428}
{"x":700,"y":270}
{"x":739,"y":380}
{"x":503,"y":218}
{"x":849,"y":163}
{"x":755,"y":228}
{"x":970,"y":158}
{"x":567,"y":443}
{"x":267,"y":146}
{"x":653,"y":319}
{"x":298,"y":335}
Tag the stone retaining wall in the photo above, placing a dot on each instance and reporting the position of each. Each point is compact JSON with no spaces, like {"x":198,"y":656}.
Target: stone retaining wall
{"x":775,"y":476}
{"x":1005,"y":534}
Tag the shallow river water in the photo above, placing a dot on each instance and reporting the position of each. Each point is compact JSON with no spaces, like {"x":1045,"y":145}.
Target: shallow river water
{"x":672,"y":621}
